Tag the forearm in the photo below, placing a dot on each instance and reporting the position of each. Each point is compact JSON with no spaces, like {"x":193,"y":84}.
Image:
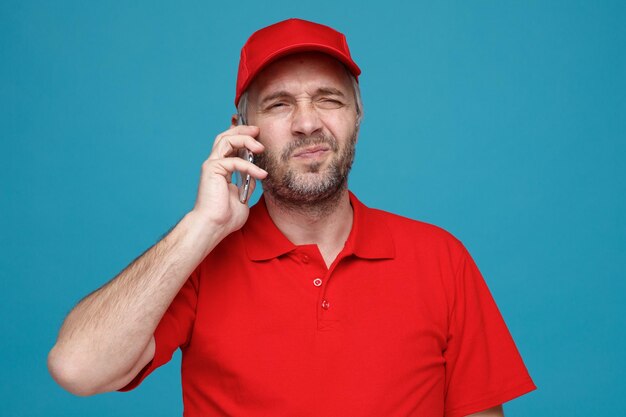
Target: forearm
{"x":107,"y":333}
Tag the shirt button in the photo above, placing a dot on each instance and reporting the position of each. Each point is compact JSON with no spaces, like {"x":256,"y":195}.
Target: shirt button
{"x":317,"y":282}
{"x":325,"y":305}
{"x":305,"y":258}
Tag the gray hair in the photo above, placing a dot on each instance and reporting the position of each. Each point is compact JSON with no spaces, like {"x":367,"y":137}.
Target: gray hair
{"x":242,"y":107}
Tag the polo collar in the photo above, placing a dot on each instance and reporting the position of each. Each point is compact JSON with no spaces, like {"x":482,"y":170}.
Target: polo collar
{"x":370,"y":238}
{"x":262,"y":238}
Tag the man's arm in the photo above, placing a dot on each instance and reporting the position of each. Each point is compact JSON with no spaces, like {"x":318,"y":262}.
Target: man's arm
{"x":492,"y":412}
{"x":108,"y":337}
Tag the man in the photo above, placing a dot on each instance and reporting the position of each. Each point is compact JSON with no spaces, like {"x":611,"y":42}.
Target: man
{"x":309,"y":303}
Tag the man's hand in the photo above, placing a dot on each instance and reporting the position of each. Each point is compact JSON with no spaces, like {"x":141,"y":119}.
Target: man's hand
{"x":218,"y":198}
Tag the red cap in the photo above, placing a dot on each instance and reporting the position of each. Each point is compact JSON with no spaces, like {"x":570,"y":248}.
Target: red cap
{"x":287,"y":37}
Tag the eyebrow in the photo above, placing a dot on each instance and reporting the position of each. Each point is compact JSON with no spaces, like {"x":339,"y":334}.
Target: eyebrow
{"x":320,"y":91}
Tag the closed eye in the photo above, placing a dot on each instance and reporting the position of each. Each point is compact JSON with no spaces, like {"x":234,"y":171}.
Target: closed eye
{"x":329,"y":103}
{"x":276,"y":105}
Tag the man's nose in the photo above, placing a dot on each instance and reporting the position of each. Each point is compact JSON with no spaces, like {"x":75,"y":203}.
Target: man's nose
{"x":306,"y":120}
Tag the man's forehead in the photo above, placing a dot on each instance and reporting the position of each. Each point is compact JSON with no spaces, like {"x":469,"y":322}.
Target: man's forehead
{"x":313,"y":70}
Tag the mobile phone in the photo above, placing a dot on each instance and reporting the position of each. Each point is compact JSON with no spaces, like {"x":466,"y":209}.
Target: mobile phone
{"x":243,"y":180}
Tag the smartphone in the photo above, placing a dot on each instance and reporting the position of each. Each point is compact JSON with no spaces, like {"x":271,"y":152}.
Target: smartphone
{"x":243,"y":180}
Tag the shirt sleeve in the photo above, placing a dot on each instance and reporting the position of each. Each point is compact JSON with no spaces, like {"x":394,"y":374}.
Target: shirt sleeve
{"x":174,"y":329}
{"x":483,"y":366}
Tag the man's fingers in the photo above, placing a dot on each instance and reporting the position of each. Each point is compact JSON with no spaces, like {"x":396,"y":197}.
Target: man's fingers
{"x":237,"y":130}
{"x":227,"y":166}
{"x":226,"y":145}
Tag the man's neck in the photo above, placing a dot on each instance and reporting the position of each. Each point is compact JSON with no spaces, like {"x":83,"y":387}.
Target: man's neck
{"x":326,"y":225}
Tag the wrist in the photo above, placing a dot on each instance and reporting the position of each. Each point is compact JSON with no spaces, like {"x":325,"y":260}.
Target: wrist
{"x":202,"y":231}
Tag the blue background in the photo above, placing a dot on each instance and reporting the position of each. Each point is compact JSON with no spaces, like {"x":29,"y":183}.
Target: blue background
{"x":503,"y":122}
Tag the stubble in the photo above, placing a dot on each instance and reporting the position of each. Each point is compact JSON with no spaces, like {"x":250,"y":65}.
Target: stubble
{"x":314,"y":188}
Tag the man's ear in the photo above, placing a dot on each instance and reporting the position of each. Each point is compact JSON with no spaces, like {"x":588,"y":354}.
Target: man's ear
{"x":234,"y":120}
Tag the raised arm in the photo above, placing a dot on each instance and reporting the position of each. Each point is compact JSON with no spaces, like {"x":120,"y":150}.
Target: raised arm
{"x":108,"y":337}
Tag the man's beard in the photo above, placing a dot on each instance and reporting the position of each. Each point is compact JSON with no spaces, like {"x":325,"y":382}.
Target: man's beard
{"x":311,"y":185}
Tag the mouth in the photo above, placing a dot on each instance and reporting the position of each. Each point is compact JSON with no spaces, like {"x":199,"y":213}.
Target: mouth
{"x":311,"y":152}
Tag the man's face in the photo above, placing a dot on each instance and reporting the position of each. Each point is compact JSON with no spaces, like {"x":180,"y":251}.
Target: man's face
{"x":304,"y":107}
